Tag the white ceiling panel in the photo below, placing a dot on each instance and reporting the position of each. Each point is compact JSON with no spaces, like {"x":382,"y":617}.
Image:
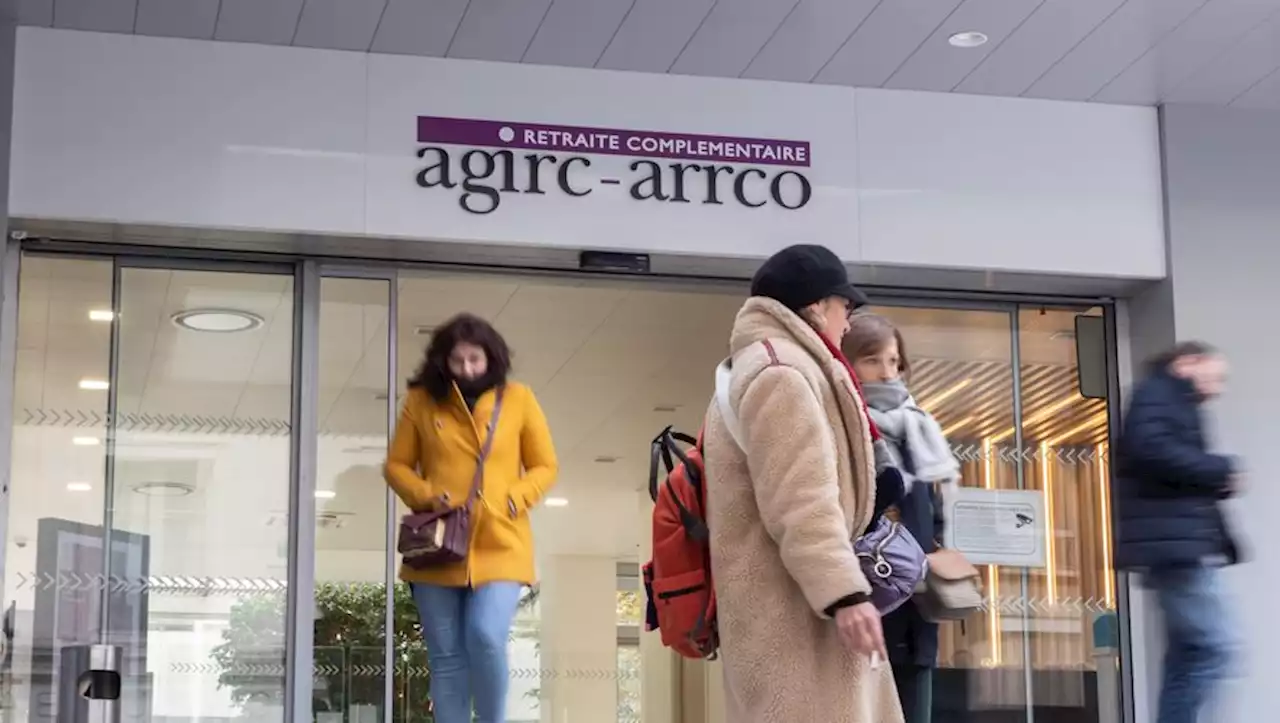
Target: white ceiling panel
{"x":339,"y":24}
{"x":576,"y":32}
{"x":177,"y":18}
{"x":1264,"y":94}
{"x":731,"y":36}
{"x":1234,"y":72}
{"x":414,"y":27}
{"x":808,"y":38}
{"x":939,"y":66}
{"x":35,"y":12}
{"x":498,"y":29}
{"x":883,"y":43}
{"x":1051,"y":31}
{"x":259,"y":21}
{"x":1134,"y":29}
{"x":1115,"y":51}
{"x":108,"y":16}
{"x":653,"y":34}
{"x":1206,"y":34}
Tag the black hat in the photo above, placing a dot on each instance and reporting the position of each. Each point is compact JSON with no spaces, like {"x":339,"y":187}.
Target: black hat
{"x":798,"y":276}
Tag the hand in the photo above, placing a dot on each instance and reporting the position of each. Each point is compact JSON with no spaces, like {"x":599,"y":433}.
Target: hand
{"x":860,"y":630}
{"x":435,"y":504}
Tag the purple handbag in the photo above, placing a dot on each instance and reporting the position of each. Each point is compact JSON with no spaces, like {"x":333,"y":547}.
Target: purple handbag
{"x":893,"y":562}
{"x":443,"y":537}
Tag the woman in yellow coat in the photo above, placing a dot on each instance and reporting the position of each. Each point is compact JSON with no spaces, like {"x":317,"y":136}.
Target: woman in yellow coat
{"x":467,"y":608}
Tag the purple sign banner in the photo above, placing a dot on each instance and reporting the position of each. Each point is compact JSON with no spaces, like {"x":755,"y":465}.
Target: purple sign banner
{"x":612,"y":141}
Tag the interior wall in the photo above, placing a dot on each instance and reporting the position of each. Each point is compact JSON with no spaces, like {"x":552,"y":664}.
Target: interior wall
{"x":1222,"y":181}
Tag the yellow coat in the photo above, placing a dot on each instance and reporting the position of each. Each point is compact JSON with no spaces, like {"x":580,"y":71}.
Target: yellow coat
{"x":434,"y":453}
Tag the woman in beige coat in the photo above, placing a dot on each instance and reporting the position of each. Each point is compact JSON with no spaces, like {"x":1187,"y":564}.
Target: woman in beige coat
{"x":800,"y":640}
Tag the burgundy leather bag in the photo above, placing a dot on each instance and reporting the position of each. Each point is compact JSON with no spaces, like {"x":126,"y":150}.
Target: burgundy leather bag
{"x":443,"y":536}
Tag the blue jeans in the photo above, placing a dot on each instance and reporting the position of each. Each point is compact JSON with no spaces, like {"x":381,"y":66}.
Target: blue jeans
{"x":466,"y":633}
{"x":1200,"y":642}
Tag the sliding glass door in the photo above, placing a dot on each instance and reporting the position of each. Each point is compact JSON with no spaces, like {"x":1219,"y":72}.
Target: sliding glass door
{"x":220,"y":429}
{"x":152,"y":418}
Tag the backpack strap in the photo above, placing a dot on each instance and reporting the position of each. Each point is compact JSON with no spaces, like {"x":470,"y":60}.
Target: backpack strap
{"x":724,"y":373}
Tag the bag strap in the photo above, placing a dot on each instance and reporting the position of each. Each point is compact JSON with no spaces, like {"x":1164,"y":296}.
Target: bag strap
{"x":723,"y":376}
{"x":478,"y":481}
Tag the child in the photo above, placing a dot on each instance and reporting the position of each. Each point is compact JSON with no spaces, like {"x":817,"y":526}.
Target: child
{"x":875,"y":349}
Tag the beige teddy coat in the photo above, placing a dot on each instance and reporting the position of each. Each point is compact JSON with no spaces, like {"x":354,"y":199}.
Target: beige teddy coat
{"x":782,"y":517}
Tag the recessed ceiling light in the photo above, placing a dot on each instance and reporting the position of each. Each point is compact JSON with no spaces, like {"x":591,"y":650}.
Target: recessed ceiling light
{"x":968,"y":39}
{"x":325,"y":494}
{"x":101,"y":315}
{"x":164,"y":489}
{"x":86,"y":441}
{"x":217,"y":321}
{"x":79,"y":487}
{"x":94,"y":385}
{"x":557,"y":502}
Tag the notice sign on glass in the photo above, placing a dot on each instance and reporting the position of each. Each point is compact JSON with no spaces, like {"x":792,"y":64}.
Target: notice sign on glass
{"x":996,"y":527}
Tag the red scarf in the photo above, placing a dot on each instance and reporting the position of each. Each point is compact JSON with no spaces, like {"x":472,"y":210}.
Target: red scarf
{"x":835,"y":351}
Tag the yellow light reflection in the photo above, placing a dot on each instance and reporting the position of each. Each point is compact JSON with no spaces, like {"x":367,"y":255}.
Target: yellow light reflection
{"x":1036,"y":418}
{"x":959,"y":424}
{"x":1086,"y":425}
{"x":1104,"y":503}
{"x":932,"y":402}
{"x":993,"y":571}
{"x":1046,"y":484}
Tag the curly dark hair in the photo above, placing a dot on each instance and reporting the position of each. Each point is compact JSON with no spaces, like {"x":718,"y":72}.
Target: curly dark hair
{"x":434,"y":375}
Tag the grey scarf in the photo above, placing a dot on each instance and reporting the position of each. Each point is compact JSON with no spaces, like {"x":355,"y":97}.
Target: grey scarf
{"x":906,"y":425}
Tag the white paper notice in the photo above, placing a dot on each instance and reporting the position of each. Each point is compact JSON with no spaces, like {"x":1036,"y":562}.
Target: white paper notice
{"x":997,"y":527}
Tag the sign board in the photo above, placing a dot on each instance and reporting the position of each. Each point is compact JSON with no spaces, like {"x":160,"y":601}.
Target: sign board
{"x":997,"y":527}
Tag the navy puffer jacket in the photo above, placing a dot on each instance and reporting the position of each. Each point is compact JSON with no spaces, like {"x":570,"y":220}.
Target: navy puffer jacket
{"x":1168,"y":485}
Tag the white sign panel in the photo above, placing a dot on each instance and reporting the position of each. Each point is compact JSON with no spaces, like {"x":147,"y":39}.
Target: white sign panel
{"x":997,"y":527}
{"x":598,"y":160}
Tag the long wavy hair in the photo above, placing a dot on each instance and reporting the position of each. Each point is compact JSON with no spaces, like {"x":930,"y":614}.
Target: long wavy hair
{"x":434,"y":375}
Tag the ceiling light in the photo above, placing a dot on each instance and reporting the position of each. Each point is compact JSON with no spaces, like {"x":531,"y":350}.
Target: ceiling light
{"x":217,"y":321}
{"x":101,"y":315}
{"x":94,"y":385}
{"x":79,"y":487}
{"x":325,"y":494}
{"x":164,"y":489}
{"x":86,"y":441}
{"x":557,"y":502}
{"x":968,"y":39}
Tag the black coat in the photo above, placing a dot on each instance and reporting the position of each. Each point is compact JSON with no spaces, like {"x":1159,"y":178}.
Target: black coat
{"x":909,"y":638}
{"x":1168,"y":485}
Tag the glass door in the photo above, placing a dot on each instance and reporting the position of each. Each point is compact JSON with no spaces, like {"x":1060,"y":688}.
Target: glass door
{"x":152,"y":418}
{"x":1020,"y":392}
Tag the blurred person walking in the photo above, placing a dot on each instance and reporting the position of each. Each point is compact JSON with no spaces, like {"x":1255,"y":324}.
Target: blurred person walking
{"x":475,"y":448}
{"x":1170,"y":524}
{"x":798,"y":630}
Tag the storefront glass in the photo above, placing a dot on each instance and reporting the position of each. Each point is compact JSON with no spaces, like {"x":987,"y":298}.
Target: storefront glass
{"x":160,"y":401}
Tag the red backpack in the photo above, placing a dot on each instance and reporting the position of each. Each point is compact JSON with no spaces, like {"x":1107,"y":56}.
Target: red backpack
{"x":677,"y":581}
